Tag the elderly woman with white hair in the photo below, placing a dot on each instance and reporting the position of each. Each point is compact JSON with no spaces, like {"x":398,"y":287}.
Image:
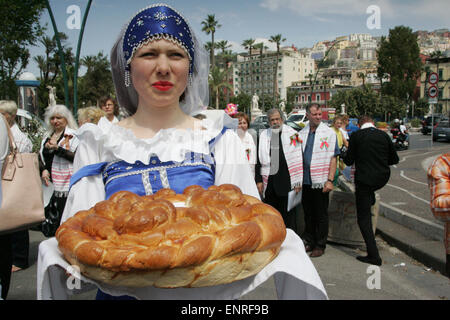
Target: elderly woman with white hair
{"x":57,"y":154}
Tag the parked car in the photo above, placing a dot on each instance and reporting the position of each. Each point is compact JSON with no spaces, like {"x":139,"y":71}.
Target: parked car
{"x":298,"y":117}
{"x":294,"y":125}
{"x":442,"y":130}
{"x":260,"y":123}
{"x":426,"y":123}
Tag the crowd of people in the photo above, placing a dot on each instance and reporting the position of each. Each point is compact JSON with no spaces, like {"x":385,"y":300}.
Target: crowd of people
{"x":160,"y":79}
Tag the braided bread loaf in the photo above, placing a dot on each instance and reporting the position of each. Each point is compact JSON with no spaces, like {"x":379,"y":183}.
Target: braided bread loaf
{"x":167,"y":240}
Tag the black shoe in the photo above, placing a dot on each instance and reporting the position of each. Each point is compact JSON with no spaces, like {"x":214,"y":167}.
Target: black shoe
{"x":370,"y":260}
{"x":317,"y":252}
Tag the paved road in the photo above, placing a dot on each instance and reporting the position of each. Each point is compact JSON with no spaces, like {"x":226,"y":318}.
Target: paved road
{"x":407,"y":189}
{"x":344,"y":278}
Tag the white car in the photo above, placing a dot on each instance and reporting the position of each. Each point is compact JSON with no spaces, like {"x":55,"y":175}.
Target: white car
{"x":299,"y":117}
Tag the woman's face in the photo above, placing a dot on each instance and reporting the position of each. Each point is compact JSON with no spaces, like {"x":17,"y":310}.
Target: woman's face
{"x":159,"y":73}
{"x":108,"y":107}
{"x":338,"y":124}
{"x":243,"y":125}
{"x":58,"y":122}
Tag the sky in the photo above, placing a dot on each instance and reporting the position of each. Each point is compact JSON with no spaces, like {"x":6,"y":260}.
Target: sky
{"x":301,"y":22}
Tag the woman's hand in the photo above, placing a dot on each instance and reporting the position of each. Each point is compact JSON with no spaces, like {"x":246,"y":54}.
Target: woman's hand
{"x":51,"y":145}
{"x":260,"y":187}
{"x":46,"y":177}
{"x":327,"y":187}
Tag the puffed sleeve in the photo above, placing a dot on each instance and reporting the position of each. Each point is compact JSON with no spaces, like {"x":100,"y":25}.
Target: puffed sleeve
{"x":232,"y":164}
{"x":89,"y":190}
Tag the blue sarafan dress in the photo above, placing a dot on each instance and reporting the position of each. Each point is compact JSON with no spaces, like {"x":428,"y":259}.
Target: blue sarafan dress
{"x":111,"y":159}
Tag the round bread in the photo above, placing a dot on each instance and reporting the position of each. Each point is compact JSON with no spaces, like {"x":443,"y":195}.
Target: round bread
{"x":168,"y":240}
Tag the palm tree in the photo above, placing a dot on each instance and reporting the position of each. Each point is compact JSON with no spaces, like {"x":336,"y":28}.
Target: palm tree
{"x":227,"y":57}
{"x":89,"y":62}
{"x":208,"y":46}
{"x":223,"y":45}
{"x":261,"y":48}
{"x":249,"y":44}
{"x":217,"y":80}
{"x":277,"y":39}
{"x":210,"y":24}
{"x":362,"y":76}
{"x":42,"y":65}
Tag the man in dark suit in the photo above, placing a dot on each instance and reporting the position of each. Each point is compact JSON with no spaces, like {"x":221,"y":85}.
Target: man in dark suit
{"x":279,"y":179}
{"x":372,"y":152}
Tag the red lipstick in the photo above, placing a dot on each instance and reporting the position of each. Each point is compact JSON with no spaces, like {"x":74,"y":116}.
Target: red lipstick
{"x":163,"y":85}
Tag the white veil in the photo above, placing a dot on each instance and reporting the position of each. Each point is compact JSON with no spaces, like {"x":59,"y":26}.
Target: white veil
{"x":196,"y":95}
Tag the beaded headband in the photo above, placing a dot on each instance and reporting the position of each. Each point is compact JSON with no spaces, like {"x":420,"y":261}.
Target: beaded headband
{"x":156,"y":22}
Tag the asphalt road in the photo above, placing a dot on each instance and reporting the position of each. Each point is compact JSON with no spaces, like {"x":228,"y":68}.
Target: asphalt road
{"x":407,"y":188}
{"x":344,"y":277}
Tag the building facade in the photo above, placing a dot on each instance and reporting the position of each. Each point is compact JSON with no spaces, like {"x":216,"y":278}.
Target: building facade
{"x":255,"y":73}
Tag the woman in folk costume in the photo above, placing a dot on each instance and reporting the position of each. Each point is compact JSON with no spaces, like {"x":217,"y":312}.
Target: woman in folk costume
{"x":160,"y":71}
{"x":320,"y":150}
{"x":57,"y":154}
{"x":281,"y":168}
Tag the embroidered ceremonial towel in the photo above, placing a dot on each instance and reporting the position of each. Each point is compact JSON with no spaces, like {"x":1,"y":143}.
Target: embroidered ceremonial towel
{"x":323,"y":151}
{"x":62,"y":169}
{"x":292,"y":152}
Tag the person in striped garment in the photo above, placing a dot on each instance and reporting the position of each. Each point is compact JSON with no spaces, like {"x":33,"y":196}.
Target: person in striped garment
{"x":57,"y":154}
{"x":320,"y":151}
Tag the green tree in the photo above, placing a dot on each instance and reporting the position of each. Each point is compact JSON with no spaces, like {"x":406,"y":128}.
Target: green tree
{"x":421,"y":107}
{"x":210,"y":24}
{"x":19,"y":29}
{"x":49,"y":66}
{"x":277,"y":39}
{"x":223,"y":45}
{"x":218,"y":80}
{"x":358,"y":101}
{"x":393,"y":106}
{"x":399,"y":62}
{"x":97,"y":81}
{"x":243,"y":101}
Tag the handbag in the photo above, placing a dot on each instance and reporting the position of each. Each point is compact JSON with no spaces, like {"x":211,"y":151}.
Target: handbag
{"x":22,"y":203}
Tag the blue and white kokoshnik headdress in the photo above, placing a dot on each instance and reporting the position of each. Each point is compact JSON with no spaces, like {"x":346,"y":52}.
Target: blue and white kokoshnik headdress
{"x":154,"y":23}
